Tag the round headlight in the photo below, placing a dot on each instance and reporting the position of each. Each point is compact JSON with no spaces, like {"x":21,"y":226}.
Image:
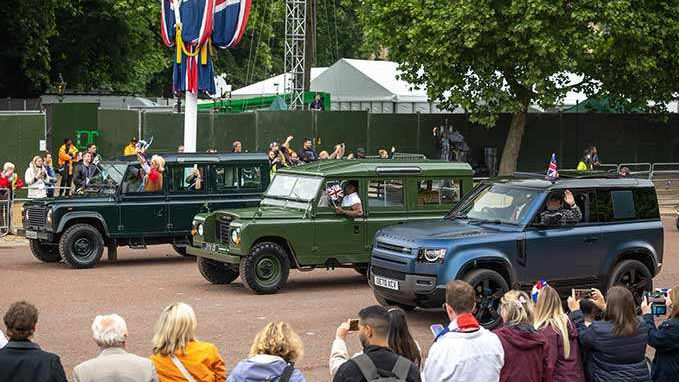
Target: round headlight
{"x":49,"y":217}
{"x":235,"y":236}
{"x":200,"y":229}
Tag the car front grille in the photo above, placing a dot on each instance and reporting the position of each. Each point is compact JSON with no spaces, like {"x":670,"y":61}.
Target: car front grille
{"x":36,"y":216}
{"x":396,"y":275}
{"x":223,"y":230}
{"x":392,"y":247}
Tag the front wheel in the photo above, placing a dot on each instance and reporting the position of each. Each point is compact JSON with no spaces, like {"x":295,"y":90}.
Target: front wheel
{"x":489,"y":287}
{"x":81,"y":246}
{"x":265,"y":270}
{"x":45,"y":252}
{"x":181,"y":249}
{"x":633,"y":275}
{"x":216,"y":272}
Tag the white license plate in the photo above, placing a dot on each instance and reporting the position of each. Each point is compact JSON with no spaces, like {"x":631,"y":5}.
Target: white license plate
{"x":31,"y":235}
{"x":210,"y":247}
{"x":386,"y":283}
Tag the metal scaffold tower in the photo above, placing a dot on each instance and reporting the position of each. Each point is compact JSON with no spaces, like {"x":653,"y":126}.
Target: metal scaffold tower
{"x":295,"y":35}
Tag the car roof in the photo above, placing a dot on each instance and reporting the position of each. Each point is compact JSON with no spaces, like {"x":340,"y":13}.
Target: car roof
{"x":199,"y":157}
{"x":584,"y":182}
{"x":380,"y":167}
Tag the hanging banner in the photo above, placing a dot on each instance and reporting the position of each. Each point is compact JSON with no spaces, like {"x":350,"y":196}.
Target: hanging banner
{"x":230,"y":21}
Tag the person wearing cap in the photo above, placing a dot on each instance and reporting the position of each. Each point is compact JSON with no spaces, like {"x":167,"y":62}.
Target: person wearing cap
{"x":131,"y":148}
{"x":351,"y":203}
{"x":557,"y":214}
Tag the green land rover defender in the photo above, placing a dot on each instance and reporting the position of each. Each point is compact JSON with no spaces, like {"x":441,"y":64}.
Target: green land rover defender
{"x":296,"y":225}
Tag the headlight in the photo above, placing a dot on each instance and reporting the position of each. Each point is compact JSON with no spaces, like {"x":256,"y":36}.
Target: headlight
{"x":49,"y":218}
{"x":433,"y":255}
{"x":200,"y":229}
{"x":235,"y":236}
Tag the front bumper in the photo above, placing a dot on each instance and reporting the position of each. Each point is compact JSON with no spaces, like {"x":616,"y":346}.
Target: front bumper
{"x":217,"y":252}
{"x":413,"y":290}
{"x":33,"y":234}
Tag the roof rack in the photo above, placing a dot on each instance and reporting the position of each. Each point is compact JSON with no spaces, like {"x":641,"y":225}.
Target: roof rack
{"x":569,"y":174}
{"x":401,"y":156}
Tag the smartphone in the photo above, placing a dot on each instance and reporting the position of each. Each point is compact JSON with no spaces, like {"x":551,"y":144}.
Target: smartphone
{"x":582,"y":293}
{"x":657,"y":302}
{"x":353,"y":325}
{"x":436,"y":329}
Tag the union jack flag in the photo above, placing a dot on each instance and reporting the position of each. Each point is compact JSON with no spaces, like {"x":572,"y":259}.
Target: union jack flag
{"x":552,"y":172}
{"x":535,"y":292}
{"x":335,"y":192}
{"x":231,"y":18}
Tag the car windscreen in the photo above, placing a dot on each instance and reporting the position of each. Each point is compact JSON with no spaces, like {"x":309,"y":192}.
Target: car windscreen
{"x":498,"y":203}
{"x":294,"y":187}
{"x":113,"y":171}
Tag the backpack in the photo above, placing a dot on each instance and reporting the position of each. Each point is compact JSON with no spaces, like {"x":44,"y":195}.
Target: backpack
{"x":286,"y":374}
{"x":369,"y":370}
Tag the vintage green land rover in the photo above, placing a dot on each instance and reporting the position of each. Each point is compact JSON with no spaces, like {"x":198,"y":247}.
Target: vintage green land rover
{"x":117,"y":211}
{"x":296,"y":225}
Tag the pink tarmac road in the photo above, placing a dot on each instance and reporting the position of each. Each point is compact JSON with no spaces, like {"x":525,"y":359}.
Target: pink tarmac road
{"x":143,"y":282}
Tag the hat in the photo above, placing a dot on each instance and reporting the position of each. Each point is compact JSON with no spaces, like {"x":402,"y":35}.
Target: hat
{"x":134,"y":139}
{"x":556,"y":195}
{"x":360,"y":152}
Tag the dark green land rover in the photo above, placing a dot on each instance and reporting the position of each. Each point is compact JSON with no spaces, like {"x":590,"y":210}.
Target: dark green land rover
{"x":115,"y":210}
{"x":297,"y":226}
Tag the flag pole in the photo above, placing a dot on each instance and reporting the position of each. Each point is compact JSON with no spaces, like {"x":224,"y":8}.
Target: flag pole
{"x":190,"y":121}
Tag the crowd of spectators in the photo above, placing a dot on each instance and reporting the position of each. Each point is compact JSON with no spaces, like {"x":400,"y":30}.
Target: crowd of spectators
{"x":601,"y":339}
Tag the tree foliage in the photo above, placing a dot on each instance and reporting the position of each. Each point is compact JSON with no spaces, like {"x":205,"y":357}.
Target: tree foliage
{"x":491,"y":57}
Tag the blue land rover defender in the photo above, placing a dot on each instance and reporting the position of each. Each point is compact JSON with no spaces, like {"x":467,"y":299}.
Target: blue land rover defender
{"x":496,"y":239}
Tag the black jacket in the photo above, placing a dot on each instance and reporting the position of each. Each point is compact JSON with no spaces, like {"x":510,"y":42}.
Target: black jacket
{"x":81,"y":174}
{"x":23,"y":361}
{"x":383,"y":358}
{"x":610,"y":358}
{"x":665,"y":341}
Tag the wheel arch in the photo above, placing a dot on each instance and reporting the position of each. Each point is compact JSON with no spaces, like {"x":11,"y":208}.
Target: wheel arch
{"x":494,"y":263}
{"x":641,"y":254}
{"x":283,"y":243}
{"x":93,"y":219}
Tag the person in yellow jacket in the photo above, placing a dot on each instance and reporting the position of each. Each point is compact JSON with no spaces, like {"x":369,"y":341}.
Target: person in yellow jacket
{"x":131,"y":149}
{"x":585,"y":162}
{"x":67,"y":157}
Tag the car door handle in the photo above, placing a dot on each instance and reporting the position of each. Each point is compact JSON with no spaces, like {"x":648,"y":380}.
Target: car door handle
{"x":357,"y":229}
{"x":591,"y":239}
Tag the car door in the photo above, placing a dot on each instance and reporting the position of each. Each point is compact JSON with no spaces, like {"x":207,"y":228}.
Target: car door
{"x":142,"y":214}
{"x":566,"y":256}
{"x":338,"y":236}
{"x":187,"y":195}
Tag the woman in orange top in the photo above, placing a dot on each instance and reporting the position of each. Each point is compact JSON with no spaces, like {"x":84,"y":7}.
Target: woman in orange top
{"x":176,"y":351}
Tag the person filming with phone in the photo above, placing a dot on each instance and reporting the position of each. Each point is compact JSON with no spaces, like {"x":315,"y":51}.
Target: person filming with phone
{"x":664,"y":338}
{"x":377,"y":360}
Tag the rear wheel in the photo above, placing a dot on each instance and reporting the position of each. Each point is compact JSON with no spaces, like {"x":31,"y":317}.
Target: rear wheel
{"x":216,"y":272}
{"x":489,"y":287}
{"x":81,"y":246}
{"x":633,"y":275}
{"x":265,"y":270}
{"x":45,"y":252}
{"x":387,"y":303}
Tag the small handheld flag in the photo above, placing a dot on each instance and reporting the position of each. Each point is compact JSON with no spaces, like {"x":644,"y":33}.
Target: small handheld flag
{"x":535,"y":292}
{"x":552,"y":173}
{"x":335,"y":192}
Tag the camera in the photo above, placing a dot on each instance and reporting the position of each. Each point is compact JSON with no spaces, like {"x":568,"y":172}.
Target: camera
{"x":657,"y":302}
{"x":582,"y":293}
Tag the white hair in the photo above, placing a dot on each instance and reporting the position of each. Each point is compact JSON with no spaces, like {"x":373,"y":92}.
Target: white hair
{"x":109,"y":331}
{"x":7,"y":166}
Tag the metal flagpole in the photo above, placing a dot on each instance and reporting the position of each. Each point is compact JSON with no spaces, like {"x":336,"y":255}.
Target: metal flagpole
{"x":190,"y":121}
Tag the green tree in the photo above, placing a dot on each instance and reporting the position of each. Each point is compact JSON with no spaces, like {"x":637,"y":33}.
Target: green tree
{"x":24,"y":58}
{"x":492,"y":57}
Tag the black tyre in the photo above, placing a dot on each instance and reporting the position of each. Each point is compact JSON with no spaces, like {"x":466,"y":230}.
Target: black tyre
{"x":362,"y":269}
{"x":387,"y":303}
{"x":677,"y":222}
{"x":489,"y":286}
{"x":216,"y":272}
{"x":181,"y":249}
{"x":44,"y":252}
{"x":81,"y":246}
{"x":633,"y":275}
{"x":265,"y":270}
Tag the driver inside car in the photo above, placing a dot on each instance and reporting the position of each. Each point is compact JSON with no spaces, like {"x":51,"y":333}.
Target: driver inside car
{"x":351,"y":203}
{"x":561,"y":210}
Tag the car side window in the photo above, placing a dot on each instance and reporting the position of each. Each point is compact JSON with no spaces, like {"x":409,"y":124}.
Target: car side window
{"x":333,"y":194}
{"x":437,"y":192}
{"x":384,"y":193}
{"x":226,"y":177}
{"x":133,"y":182}
{"x":646,"y":203}
{"x":188,"y":178}
{"x":250,"y":177}
{"x":615,"y":205}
